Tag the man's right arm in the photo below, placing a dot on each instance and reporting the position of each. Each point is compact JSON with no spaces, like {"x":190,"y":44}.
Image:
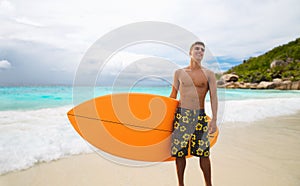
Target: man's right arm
{"x":175,"y":86}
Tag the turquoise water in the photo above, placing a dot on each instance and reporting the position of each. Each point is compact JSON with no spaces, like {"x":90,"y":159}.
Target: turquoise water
{"x":31,"y":98}
{"x":24,"y":98}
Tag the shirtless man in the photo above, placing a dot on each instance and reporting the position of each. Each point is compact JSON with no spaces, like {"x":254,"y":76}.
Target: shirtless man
{"x":190,"y":121}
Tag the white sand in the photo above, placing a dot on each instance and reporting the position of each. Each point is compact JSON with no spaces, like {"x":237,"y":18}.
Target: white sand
{"x":265,"y":153}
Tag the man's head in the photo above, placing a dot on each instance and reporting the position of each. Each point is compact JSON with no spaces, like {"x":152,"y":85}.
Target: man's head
{"x":197,"y":50}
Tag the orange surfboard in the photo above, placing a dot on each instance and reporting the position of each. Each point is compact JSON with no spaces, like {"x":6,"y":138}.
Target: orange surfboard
{"x":135,"y":126}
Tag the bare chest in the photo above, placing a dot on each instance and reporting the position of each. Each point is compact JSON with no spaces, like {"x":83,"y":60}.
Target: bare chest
{"x":193,"y":78}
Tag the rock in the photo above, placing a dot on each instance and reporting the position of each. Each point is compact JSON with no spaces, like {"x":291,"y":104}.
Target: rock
{"x":241,"y":85}
{"x":220,"y":82}
{"x":278,"y":84}
{"x":251,"y":85}
{"x":295,"y":85}
{"x":289,"y":60}
{"x":225,"y":80}
{"x":285,"y":85}
{"x":234,"y":85}
{"x":230,"y":85}
{"x":277,"y":63}
{"x":266,"y":85}
{"x":288,"y":84}
{"x":277,"y":80}
{"x":229,"y":78}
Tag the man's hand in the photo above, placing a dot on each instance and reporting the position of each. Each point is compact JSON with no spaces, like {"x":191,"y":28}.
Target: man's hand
{"x":212,"y":127}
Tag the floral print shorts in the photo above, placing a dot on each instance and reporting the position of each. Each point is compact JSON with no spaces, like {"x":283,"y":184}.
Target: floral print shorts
{"x":190,"y":128}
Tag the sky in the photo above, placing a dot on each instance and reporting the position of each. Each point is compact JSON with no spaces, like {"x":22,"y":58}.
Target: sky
{"x":43,"y":42}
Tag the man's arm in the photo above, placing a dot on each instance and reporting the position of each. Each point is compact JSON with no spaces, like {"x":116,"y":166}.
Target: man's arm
{"x":175,"y":86}
{"x":213,"y":101}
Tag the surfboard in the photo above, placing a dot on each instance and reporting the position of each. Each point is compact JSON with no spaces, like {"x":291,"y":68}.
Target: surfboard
{"x":134,"y":126}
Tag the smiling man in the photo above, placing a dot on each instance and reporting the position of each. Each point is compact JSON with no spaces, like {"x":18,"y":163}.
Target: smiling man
{"x":190,"y":121}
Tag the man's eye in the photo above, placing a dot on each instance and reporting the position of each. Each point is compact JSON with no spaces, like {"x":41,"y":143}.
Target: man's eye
{"x":199,"y":48}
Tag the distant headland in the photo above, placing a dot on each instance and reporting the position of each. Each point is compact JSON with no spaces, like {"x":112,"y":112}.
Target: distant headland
{"x":278,"y":68}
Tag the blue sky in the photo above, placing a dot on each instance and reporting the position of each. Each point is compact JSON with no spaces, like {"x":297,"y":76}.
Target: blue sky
{"x":43,"y":42}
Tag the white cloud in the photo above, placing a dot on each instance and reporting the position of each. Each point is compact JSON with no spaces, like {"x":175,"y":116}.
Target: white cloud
{"x":6,"y":7}
{"x":227,"y":27}
{"x":234,"y":30}
{"x":4,"y":64}
{"x":138,"y":68}
{"x":26,"y":21}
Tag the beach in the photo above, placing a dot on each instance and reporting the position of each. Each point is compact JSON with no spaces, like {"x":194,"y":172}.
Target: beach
{"x":66,"y":68}
{"x":265,"y":152}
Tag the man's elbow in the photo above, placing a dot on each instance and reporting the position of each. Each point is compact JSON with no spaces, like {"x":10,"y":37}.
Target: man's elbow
{"x":173,"y":94}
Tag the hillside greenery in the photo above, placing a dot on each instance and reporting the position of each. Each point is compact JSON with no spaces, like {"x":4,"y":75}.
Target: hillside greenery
{"x":257,"y":69}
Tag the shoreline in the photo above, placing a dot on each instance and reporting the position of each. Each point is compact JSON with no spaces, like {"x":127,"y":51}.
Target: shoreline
{"x":265,"y":85}
{"x":264,"y":152}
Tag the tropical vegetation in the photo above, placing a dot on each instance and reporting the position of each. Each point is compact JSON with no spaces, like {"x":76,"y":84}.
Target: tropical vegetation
{"x":257,"y":69}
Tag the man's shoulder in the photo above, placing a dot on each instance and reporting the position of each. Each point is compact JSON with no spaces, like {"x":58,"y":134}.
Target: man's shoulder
{"x":180,"y":69}
{"x":208,"y":71}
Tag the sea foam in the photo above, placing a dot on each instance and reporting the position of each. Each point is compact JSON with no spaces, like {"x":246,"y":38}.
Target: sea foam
{"x":252,"y":110}
{"x":30,"y":137}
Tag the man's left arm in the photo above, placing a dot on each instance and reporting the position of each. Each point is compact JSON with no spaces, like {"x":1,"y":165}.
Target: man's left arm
{"x":213,"y":101}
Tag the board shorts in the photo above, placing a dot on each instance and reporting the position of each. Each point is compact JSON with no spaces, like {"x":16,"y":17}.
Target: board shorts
{"x":190,"y":128}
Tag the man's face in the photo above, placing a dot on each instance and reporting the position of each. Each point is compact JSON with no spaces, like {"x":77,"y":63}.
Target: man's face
{"x":197,"y":52}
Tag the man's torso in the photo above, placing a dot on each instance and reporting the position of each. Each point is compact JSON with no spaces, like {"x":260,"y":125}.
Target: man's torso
{"x":193,"y":87}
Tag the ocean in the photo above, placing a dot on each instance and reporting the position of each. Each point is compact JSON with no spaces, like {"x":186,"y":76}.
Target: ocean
{"x":34,"y":127}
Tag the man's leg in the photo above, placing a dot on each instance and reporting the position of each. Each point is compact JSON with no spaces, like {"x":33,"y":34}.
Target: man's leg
{"x":206,"y":169}
{"x":180,"y":165}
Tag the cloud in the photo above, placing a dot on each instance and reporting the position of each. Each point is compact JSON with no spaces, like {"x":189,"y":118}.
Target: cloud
{"x":4,"y":65}
{"x":37,"y":64}
{"x":26,"y":21}
{"x":6,"y":7}
{"x":233,"y":29}
{"x":143,"y":70}
{"x":54,"y":40}
{"x":229,"y":28}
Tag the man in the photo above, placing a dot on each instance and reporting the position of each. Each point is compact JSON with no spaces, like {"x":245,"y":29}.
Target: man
{"x":190,"y":121}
